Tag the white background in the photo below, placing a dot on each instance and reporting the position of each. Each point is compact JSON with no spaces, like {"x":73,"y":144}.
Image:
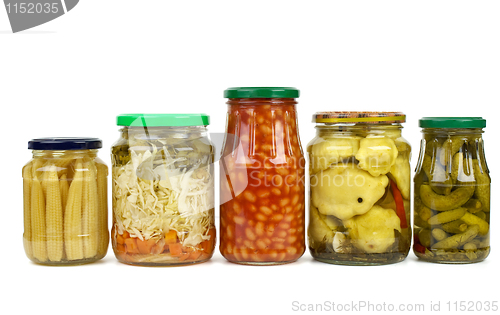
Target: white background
{"x":72,"y":76}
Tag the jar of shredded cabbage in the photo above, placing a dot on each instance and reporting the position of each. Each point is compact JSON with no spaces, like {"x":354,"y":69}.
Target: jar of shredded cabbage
{"x":163,"y":190}
{"x":65,"y":202}
{"x":359,"y":167}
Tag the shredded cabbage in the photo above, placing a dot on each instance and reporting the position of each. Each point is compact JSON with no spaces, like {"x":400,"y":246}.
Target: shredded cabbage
{"x":153,"y":196}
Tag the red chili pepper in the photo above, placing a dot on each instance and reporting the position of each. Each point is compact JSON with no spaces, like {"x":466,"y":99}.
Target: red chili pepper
{"x":419,"y":248}
{"x":400,"y":206}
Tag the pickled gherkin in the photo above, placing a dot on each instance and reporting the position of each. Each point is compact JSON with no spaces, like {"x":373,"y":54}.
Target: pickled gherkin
{"x":452,"y":192}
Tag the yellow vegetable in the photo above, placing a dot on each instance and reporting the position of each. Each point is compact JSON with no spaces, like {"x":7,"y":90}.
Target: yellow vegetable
{"x":102,"y":188}
{"x":471,"y":219}
{"x":73,"y":217}
{"x":89,"y":211}
{"x":27,"y":238}
{"x":447,"y":216}
{"x":328,"y":151}
{"x":38,"y":222}
{"x":373,"y":232}
{"x":64,"y":187}
{"x":401,"y":173}
{"x":345,"y":191}
{"x":458,"y":240}
{"x":318,"y":229}
{"x":377,"y":155}
{"x":55,"y":234}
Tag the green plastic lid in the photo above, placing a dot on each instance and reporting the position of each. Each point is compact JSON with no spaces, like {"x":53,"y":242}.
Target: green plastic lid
{"x":162,"y":120}
{"x":261,"y":92}
{"x":452,"y":122}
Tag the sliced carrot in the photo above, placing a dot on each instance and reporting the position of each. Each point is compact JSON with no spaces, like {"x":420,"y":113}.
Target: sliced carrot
{"x":205,"y":256}
{"x":209,"y":245}
{"x":171,"y":237}
{"x":120,"y":239}
{"x":131,"y":246}
{"x":126,"y":234}
{"x":206,"y":246}
{"x":184,"y":256}
{"x":145,"y":246}
{"x":165,"y":248}
{"x":194,"y":255}
{"x":175,"y":249}
{"x":121,"y":248}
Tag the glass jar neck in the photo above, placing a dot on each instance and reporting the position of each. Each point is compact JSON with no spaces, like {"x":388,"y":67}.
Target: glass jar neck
{"x":445,"y":132}
{"x":55,"y":154}
{"x":155,"y":133}
{"x":323,"y":129}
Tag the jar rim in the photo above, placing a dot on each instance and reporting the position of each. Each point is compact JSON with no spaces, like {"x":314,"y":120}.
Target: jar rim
{"x":364,"y":117}
{"x":452,"y":122}
{"x":62,"y":143}
{"x":261,"y":92}
{"x":162,"y":120}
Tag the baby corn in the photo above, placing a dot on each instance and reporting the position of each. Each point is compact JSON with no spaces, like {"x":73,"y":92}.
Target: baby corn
{"x":55,"y":236}
{"x":73,"y":217}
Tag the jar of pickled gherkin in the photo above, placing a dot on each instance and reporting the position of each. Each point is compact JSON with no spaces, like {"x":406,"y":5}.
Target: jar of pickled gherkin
{"x":163,"y":190}
{"x":65,"y":202}
{"x":262,"y":178}
{"x":359,"y":168}
{"x":452,"y":192}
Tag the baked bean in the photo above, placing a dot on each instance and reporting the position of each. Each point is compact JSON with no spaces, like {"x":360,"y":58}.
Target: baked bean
{"x":282,"y":234}
{"x":277,"y":180}
{"x":284,"y":202}
{"x":248,"y":244}
{"x":266,"y":210}
{"x":259,"y":216}
{"x":286,"y":190}
{"x":261,"y":244}
{"x":282,"y":171}
{"x":250,"y":234}
{"x":263,"y":193}
{"x":259,"y":228}
{"x":279,"y":245}
{"x":239,"y":220}
{"x":264,"y":223}
{"x":229,"y":231}
{"x":236,"y":207}
{"x":284,"y":226}
{"x":277,"y":217}
{"x":249,"y":196}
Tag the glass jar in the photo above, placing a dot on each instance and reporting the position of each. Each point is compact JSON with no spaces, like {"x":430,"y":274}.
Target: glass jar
{"x":452,"y":192}
{"x":262,"y":178}
{"x":359,"y":168}
{"x":163,"y":190}
{"x":65,"y":202}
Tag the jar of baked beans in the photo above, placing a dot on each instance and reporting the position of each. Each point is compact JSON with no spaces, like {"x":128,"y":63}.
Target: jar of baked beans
{"x":359,"y":168}
{"x":262,"y":178}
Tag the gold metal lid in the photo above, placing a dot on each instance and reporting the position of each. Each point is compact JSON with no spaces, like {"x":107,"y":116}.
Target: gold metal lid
{"x":359,"y":117}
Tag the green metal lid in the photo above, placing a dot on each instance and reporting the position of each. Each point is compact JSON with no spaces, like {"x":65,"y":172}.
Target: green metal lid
{"x":452,"y":122}
{"x":162,"y":120}
{"x":261,"y":92}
